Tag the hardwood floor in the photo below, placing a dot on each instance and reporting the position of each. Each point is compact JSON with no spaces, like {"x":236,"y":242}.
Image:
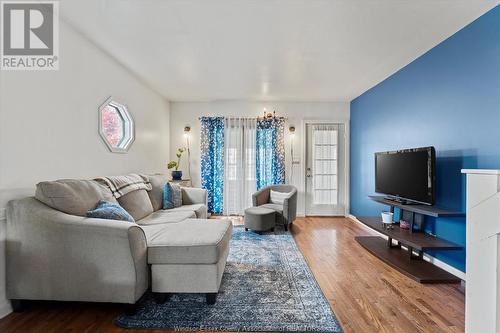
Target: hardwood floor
{"x":365,"y":294}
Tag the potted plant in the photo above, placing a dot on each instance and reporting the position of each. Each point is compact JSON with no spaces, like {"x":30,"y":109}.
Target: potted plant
{"x":176,"y":174}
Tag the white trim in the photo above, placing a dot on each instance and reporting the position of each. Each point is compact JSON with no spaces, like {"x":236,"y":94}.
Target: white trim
{"x":5,"y":309}
{"x":441,"y":264}
{"x":481,"y":171}
{"x":354,"y":218}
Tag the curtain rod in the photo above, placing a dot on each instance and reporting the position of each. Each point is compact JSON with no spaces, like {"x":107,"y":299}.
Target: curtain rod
{"x":235,"y":117}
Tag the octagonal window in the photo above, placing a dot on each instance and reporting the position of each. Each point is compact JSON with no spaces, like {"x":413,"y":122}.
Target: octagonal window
{"x":116,"y":126}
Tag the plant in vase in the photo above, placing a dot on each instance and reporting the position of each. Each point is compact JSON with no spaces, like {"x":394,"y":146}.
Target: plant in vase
{"x":176,"y":174}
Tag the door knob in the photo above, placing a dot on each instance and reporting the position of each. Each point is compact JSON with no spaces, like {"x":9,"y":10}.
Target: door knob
{"x":308,"y":173}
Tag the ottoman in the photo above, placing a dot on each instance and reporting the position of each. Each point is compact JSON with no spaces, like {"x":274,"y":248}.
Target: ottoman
{"x":260,"y":219}
{"x":189,"y":257}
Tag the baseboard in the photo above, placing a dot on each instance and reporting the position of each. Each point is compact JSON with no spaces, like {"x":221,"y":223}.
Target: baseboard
{"x":352,"y":217}
{"x":441,"y":264}
{"x":450,"y":269}
{"x":5,"y":309}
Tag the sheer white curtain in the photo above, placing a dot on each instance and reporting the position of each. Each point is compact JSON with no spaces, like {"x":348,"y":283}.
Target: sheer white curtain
{"x":239,"y":175}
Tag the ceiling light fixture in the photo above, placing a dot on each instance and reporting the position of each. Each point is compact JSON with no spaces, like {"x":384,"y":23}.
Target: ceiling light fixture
{"x":268,"y":115}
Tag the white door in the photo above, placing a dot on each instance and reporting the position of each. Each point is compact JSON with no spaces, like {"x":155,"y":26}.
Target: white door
{"x":325,"y":169}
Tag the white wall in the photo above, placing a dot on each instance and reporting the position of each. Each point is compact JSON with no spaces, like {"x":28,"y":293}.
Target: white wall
{"x":48,"y":124}
{"x":187,"y":113}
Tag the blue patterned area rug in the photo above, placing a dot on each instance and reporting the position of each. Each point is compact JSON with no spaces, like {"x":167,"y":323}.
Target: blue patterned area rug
{"x":267,"y":286}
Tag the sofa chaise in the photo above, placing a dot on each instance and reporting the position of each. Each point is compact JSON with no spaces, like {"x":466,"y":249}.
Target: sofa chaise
{"x":54,"y":252}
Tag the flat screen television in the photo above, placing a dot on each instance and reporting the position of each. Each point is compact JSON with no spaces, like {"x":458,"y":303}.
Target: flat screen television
{"x":407,"y":175}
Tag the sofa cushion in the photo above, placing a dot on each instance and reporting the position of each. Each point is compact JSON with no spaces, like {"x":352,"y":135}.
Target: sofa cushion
{"x":157,"y":181}
{"x":275,"y":207}
{"x":193,"y":241}
{"x":199,"y":209}
{"x":72,"y":196}
{"x":137,"y":203}
{"x":110,"y":211}
{"x":166,"y":216}
{"x":193,"y":195}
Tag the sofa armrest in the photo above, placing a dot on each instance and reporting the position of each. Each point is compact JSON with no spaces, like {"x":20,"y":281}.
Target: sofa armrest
{"x":290,"y":207}
{"x":192,"y":195}
{"x":261,"y":197}
{"x":56,"y":256}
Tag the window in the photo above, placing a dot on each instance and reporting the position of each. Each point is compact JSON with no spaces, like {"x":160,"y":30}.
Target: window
{"x":250,"y":164}
{"x":232,"y":164}
{"x":116,"y":126}
{"x":325,"y":190}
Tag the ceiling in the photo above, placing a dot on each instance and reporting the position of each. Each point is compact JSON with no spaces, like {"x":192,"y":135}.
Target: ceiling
{"x":294,"y":50}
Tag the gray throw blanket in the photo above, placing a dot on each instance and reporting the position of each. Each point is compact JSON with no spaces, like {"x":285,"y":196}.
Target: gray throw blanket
{"x":121,"y":185}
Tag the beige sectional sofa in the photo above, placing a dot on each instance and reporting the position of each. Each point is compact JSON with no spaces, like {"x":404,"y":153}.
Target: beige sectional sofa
{"x":54,"y":252}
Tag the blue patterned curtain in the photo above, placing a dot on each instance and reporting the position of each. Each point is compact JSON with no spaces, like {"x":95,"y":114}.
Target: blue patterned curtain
{"x":212,"y":161}
{"x":270,"y":152}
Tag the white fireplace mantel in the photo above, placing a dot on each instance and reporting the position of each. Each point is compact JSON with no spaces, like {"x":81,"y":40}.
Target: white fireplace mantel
{"x":482,"y":296}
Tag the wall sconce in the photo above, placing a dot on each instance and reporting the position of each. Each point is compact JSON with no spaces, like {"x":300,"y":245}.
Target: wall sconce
{"x":187,"y":129}
{"x":292,"y":130}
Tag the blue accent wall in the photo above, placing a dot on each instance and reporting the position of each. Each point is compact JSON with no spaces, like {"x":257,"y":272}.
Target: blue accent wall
{"x":448,"y":98}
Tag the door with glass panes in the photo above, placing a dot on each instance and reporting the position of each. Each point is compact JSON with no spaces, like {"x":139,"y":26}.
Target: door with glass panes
{"x":325,"y":169}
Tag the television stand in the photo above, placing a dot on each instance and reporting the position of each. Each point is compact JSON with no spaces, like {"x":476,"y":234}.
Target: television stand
{"x":415,"y":214}
{"x":409,"y":261}
{"x":400,"y":201}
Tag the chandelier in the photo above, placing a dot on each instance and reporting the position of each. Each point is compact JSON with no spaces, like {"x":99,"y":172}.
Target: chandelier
{"x":267,"y":115}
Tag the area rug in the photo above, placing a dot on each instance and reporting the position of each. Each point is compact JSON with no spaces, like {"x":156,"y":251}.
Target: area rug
{"x":267,"y":286}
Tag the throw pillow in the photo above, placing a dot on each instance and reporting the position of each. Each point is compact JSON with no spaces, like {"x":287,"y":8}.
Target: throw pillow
{"x":278,"y":197}
{"x":177,"y":191}
{"x":172,"y":196}
{"x":110,"y":211}
{"x":137,"y":204}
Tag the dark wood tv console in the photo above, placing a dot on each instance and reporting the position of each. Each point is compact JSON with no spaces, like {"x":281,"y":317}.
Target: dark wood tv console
{"x":410,"y":261}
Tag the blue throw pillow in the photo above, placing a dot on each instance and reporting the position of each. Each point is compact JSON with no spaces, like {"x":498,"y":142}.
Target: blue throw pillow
{"x":172,"y":196}
{"x":110,"y":211}
{"x":168,"y":198}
